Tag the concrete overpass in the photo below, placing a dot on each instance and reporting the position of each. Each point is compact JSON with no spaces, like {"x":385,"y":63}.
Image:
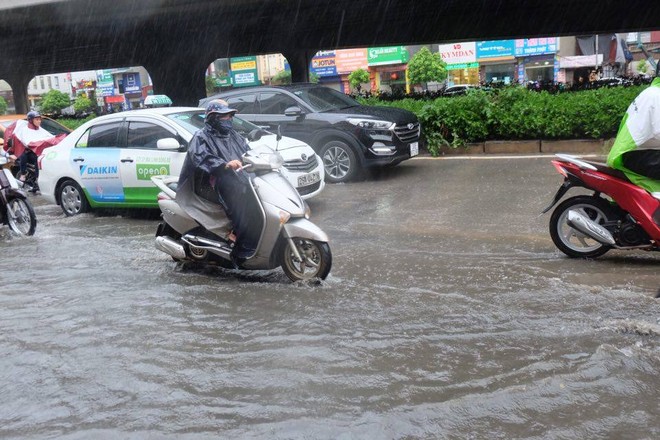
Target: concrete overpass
{"x":175,"y":40}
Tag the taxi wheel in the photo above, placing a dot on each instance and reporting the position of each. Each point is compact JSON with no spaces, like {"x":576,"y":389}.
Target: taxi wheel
{"x":72,"y":198}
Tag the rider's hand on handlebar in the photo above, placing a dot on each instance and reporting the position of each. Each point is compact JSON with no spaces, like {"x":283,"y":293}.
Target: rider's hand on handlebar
{"x":234,"y":165}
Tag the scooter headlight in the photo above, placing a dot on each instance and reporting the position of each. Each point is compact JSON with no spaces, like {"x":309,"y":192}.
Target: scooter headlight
{"x":276,"y":160}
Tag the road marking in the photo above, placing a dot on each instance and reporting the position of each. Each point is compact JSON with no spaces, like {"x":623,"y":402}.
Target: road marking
{"x":488,"y":157}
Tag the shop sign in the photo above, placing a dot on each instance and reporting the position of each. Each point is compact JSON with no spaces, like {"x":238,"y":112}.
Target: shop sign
{"x":536,"y":46}
{"x":85,"y":84}
{"x":244,"y":71}
{"x":495,"y":49}
{"x":575,"y":62}
{"x":458,"y":53}
{"x":132,"y":82}
{"x":324,"y":63}
{"x":379,"y":56}
{"x":350,"y":60}
{"x":462,"y":66}
{"x":105,"y":84}
{"x":222,"y":81}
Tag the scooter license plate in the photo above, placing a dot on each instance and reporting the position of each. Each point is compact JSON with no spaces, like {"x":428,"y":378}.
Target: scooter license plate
{"x":414,"y":149}
{"x":309,"y":179}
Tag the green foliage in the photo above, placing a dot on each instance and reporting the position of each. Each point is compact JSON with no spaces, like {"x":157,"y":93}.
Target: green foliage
{"x":313,"y":78}
{"x":54,"y":101}
{"x":641,"y":66}
{"x":426,"y":66}
{"x":358,"y":77}
{"x":83,"y":104}
{"x":517,"y":113}
{"x":211,"y":88}
{"x":3,"y":106}
{"x":75,"y":123}
{"x":282,"y":77}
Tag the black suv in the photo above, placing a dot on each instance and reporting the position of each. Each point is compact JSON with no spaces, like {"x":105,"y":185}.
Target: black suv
{"x":347,"y":135}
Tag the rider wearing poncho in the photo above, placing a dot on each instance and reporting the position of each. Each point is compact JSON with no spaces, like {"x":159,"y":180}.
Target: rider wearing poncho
{"x":636,"y":149}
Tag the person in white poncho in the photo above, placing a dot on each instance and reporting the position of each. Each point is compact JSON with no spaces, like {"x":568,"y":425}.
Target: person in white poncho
{"x":636,"y":149}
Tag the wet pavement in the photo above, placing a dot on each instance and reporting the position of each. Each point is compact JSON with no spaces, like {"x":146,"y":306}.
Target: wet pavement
{"x":448,"y":314}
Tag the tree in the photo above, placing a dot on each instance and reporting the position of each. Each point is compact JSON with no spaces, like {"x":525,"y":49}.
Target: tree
{"x":83,"y":104}
{"x":282,"y":77}
{"x":3,"y":106}
{"x":54,"y":101}
{"x":425,"y":67}
{"x":357,"y":78}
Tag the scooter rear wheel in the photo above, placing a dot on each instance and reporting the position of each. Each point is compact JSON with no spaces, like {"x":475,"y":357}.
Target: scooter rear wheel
{"x":20,"y":216}
{"x":574,"y":243}
{"x":316,"y":260}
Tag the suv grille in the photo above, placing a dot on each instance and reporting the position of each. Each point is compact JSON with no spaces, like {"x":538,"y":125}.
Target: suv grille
{"x":406,"y":134}
{"x":301,"y":165}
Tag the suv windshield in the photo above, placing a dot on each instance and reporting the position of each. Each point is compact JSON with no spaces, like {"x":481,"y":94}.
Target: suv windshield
{"x":194,"y":120}
{"x":323,"y":99}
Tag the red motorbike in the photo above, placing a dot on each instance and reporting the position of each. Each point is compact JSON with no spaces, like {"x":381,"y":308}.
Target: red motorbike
{"x":618,"y":215}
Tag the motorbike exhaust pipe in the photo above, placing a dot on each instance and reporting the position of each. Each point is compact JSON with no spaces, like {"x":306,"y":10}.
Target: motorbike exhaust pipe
{"x":589,"y":228}
{"x":171,"y":247}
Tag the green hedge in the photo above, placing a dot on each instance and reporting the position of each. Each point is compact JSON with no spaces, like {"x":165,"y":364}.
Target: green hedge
{"x":74,"y":123}
{"x":518,"y":113}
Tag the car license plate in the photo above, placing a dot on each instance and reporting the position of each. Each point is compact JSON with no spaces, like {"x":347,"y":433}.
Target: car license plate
{"x":414,"y":149}
{"x":309,"y":179}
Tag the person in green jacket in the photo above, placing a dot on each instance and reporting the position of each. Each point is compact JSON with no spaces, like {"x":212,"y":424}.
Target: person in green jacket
{"x":636,"y":149}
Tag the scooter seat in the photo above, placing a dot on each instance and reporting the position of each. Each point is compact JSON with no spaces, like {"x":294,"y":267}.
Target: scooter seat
{"x":606,"y":169}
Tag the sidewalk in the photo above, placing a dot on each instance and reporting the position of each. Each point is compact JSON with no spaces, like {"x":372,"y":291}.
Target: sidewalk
{"x":572,"y":146}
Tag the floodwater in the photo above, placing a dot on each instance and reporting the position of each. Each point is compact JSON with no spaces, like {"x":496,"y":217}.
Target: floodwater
{"x":448,"y":314}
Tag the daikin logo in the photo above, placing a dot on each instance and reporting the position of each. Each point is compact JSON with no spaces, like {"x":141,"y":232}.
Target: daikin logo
{"x":89,"y":171}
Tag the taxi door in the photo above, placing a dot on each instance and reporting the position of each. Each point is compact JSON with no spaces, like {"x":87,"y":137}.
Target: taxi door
{"x":140,"y":159}
{"x":96,"y":160}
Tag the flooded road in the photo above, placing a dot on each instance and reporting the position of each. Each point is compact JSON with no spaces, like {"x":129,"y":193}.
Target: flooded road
{"x":448,"y":314}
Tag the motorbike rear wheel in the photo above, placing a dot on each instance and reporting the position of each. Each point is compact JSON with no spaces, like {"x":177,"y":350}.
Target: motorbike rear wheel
{"x":20,"y":216}
{"x":316,"y":260}
{"x":574,"y":243}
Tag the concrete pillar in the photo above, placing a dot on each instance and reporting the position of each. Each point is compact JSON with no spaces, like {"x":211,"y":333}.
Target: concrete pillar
{"x":19,"y":86}
{"x":184,"y":83}
{"x":299,"y":61}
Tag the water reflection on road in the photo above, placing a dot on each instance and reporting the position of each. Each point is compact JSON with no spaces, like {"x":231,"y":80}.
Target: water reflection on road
{"x":448,"y":314}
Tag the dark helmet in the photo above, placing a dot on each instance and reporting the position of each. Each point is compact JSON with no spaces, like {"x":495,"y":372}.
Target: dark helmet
{"x":33,"y":114}
{"x":219,"y":106}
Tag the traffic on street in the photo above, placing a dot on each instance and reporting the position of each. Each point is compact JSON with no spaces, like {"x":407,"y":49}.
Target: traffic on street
{"x":448,"y":313}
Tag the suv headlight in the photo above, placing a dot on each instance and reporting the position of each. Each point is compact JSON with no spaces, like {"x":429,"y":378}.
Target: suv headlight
{"x":372,"y":124}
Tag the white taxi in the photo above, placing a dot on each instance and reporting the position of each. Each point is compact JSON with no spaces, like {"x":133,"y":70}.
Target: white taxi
{"x":108,"y":162}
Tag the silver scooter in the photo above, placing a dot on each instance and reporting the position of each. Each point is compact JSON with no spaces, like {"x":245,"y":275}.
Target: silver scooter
{"x":288,"y":239}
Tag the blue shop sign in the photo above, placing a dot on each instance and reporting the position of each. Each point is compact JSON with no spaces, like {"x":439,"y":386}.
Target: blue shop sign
{"x":536,"y":46}
{"x":132,"y":82}
{"x":323,"y":64}
{"x":495,"y":49}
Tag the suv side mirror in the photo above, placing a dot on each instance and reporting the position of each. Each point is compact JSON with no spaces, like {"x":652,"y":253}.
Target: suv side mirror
{"x":294,"y":111}
{"x":168,"y":144}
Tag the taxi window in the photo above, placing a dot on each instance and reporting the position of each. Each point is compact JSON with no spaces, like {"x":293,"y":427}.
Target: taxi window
{"x":100,"y":136}
{"x":146,"y":135}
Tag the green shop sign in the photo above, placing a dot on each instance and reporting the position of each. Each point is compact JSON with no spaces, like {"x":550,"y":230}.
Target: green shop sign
{"x":222,"y":81}
{"x":379,"y":56}
{"x":462,"y":66}
{"x":244,"y":71}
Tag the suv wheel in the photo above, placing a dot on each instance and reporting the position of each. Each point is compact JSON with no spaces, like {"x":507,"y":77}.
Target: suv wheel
{"x":339,"y":162}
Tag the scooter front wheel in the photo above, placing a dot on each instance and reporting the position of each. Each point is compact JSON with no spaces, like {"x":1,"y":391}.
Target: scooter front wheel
{"x":310,"y":259}
{"x":20,"y":216}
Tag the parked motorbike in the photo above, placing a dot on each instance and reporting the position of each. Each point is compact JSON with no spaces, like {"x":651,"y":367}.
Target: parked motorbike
{"x":15,"y":208}
{"x":288,"y":239}
{"x":618,"y":215}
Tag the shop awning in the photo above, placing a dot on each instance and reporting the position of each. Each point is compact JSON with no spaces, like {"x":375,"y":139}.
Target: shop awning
{"x":580,"y":61}
{"x":115,"y":99}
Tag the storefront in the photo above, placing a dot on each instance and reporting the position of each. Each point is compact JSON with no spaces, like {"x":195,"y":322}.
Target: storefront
{"x":348,"y":61}
{"x":388,"y":65}
{"x":462,"y":65}
{"x":537,"y":59}
{"x":496,"y":61}
{"x":576,"y":69}
{"x":324,"y":66}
